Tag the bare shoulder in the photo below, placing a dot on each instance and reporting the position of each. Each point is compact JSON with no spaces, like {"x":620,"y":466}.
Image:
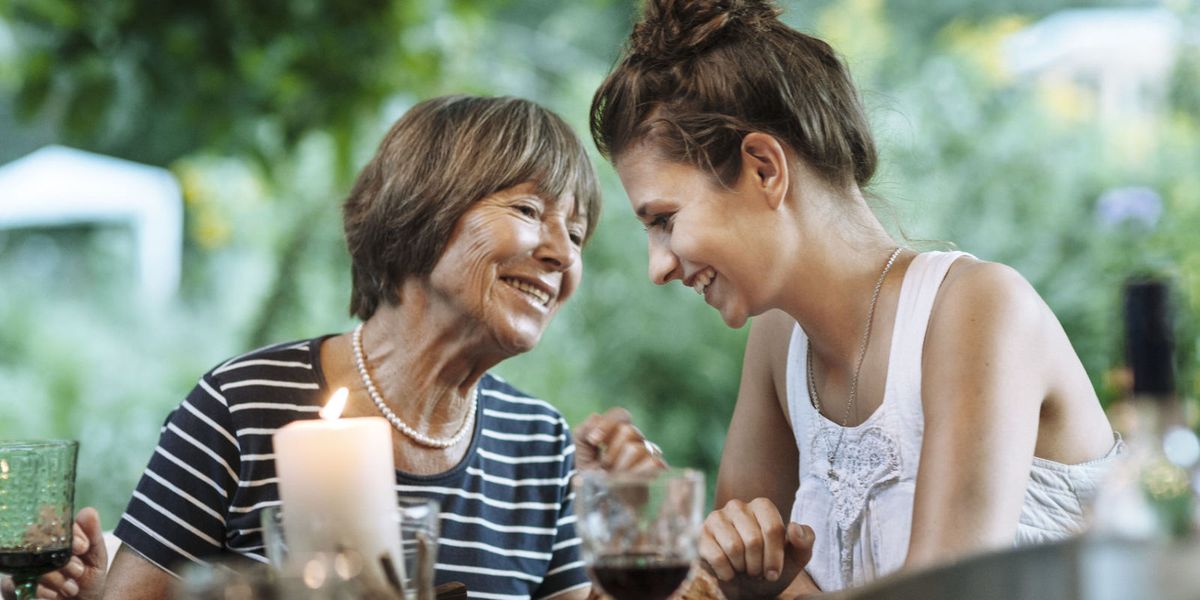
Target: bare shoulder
{"x":988,"y":320}
{"x":991,"y":337}
{"x":978,"y":296}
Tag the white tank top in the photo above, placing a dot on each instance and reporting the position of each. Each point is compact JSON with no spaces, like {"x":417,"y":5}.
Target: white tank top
{"x":860,"y":506}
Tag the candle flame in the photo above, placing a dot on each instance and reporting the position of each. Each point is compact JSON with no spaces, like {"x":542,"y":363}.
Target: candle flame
{"x":336,"y":404}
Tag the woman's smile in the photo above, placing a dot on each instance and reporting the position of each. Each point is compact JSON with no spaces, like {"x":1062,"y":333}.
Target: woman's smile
{"x":702,"y":280}
{"x":537,"y":294}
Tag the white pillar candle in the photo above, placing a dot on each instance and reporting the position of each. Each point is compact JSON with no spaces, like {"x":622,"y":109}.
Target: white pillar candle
{"x":337,"y":484}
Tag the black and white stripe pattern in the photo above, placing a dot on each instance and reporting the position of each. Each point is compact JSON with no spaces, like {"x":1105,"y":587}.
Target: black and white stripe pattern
{"x":508,"y":526}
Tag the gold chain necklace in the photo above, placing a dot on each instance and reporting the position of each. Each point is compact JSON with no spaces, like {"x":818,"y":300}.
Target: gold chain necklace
{"x":862,"y":354}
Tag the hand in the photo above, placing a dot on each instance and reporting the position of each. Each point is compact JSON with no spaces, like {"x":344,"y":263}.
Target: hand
{"x":750,"y":550}
{"x":83,"y":576}
{"x":611,"y":442}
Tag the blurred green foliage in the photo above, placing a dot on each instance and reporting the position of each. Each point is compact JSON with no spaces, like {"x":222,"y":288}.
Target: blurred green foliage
{"x":264,"y":111}
{"x":154,"y":81}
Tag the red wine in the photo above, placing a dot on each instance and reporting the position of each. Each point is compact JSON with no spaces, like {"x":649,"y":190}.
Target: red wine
{"x":31,"y":564}
{"x":640,"y":576}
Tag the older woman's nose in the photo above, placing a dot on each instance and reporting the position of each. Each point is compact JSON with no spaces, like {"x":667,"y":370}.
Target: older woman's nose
{"x":556,"y":248}
{"x":664,"y":265}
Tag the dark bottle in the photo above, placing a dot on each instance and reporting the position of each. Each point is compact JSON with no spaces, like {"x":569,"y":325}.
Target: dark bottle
{"x":1149,"y":494}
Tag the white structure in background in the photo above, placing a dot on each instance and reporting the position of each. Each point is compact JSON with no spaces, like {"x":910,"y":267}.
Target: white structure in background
{"x":1124,"y":56}
{"x":56,"y":185}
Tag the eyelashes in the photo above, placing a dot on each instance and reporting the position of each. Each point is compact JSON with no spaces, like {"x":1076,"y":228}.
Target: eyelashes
{"x":658,"y":222}
{"x":534,"y":213}
{"x":527,"y":210}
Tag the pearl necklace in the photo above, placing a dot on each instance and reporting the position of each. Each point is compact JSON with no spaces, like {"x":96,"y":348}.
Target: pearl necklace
{"x":862,"y":353}
{"x":401,"y":426}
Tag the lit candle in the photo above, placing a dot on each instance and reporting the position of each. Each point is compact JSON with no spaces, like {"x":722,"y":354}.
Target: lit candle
{"x":337,"y":484}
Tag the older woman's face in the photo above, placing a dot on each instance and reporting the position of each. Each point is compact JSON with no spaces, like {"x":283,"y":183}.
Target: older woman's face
{"x":512,"y":260}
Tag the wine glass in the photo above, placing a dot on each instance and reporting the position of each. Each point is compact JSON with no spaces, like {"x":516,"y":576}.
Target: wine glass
{"x":37,"y":497}
{"x":639,"y":531}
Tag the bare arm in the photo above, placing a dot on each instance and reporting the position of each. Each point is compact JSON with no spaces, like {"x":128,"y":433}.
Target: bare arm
{"x":760,"y":459}
{"x":587,"y":593}
{"x":747,"y":542}
{"x":985,"y":376}
{"x":132,"y":577}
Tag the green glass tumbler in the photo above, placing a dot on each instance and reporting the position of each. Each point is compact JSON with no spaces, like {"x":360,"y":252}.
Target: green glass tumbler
{"x":37,"y":507}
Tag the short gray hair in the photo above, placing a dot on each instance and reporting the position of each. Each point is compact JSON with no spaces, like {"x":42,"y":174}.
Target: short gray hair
{"x":441,"y":157}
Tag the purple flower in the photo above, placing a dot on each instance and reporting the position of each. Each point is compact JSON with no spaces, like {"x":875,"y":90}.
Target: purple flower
{"x":1138,"y":205}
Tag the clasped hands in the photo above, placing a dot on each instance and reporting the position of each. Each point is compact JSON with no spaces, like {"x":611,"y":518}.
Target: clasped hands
{"x":753,"y":553}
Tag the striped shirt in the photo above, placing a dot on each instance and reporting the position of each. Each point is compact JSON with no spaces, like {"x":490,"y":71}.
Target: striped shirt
{"x":507,"y":521}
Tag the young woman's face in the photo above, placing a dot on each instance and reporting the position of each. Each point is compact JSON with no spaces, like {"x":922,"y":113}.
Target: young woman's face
{"x":512,"y":260}
{"x":698,"y":232}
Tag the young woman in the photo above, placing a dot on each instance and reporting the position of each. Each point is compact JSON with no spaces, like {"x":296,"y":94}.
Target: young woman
{"x":911,"y":408}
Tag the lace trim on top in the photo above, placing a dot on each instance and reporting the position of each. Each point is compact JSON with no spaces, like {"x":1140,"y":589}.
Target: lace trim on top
{"x":861,"y":465}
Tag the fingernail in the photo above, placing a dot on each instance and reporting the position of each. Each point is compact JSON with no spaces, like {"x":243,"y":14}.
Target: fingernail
{"x":772,"y":575}
{"x":74,"y":567}
{"x":70,"y":587}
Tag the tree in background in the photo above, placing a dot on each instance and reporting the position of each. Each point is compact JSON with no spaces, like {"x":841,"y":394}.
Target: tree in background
{"x":158,"y":81}
{"x":154,"y":81}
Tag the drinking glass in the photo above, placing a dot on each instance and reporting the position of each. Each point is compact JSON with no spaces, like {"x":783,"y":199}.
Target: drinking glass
{"x":320,"y":575}
{"x":232,"y":579}
{"x":420,"y":520}
{"x":417,"y":525}
{"x":639,"y":531}
{"x":37,"y":507}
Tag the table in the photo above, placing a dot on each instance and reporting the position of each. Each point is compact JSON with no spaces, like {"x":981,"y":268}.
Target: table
{"x":1078,"y":569}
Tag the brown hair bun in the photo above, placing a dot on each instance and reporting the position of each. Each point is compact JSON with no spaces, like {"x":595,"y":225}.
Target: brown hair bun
{"x":696,"y":76}
{"x":672,"y":29}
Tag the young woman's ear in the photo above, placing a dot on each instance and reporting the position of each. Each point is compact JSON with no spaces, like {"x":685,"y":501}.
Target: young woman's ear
{"x":765,"y":162}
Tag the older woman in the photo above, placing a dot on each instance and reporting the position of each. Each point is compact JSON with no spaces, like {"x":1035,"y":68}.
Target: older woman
{"x":464,"y":233}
